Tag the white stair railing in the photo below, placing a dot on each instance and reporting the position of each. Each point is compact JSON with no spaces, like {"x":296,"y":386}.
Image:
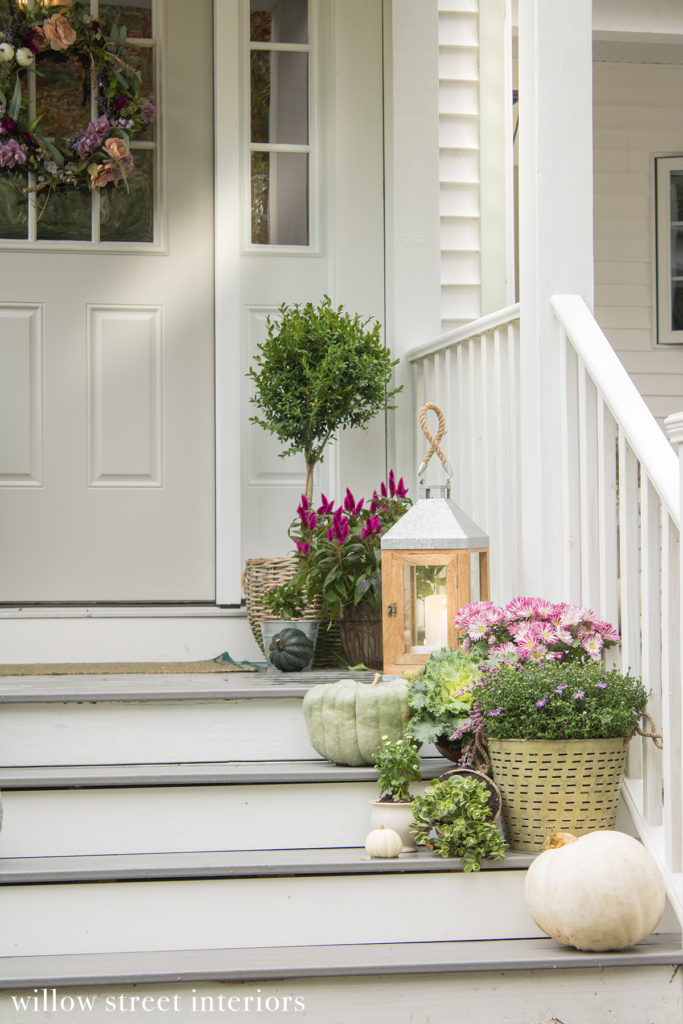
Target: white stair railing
{"x":622,"y":536}
{"x":618,"y":507}
{"x":473,"y":374}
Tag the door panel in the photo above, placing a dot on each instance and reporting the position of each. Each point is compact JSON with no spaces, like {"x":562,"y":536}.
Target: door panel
{"x":106,"y":364}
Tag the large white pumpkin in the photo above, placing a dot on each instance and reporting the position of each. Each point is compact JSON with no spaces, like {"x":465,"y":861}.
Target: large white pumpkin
{"x":602,"y":891}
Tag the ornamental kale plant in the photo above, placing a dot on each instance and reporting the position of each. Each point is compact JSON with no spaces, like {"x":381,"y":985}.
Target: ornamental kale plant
{"x":398,"y":764}
{"x":318,"y":371}
{"x":551,"y":701}
{"x":339,"y":549}
{"x":532,"y":629}
{"x":440,"y":695}
{"x":454,"y":819}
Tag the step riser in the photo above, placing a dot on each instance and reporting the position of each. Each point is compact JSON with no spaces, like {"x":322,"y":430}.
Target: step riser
{"x":55,"y":823}
{"x":521,"y":997}
{"x":154,"y":732}
{"x":257,"y":912}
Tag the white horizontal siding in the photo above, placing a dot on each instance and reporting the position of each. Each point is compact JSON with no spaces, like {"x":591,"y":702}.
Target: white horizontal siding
{"x":637,"y":114}
{"x":459,"y":161}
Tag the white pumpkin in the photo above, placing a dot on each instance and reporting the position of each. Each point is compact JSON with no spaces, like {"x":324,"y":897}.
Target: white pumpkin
{"x":383,"y":842}
{"x":601,"y":891}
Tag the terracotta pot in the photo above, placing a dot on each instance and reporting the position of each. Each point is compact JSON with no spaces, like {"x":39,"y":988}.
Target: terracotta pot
{"x":361,"y":633}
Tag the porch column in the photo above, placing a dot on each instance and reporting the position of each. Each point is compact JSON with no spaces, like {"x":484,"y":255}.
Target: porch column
{"x":555,"y":253}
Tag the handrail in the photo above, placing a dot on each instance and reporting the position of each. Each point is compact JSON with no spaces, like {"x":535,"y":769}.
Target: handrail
{"x":469,"y":330}
{"x":623,"y":399}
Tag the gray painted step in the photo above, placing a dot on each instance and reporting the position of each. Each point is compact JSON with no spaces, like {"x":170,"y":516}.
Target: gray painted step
{"x":411,"y":958}
{"x":231,"y":864}
{"x":231,"y":686}
{"x":197,"y":774}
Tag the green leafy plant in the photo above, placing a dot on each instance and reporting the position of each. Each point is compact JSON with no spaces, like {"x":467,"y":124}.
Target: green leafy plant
{"x":398,"y":764}
{"x":440,"y":695}
{"x":319,"y":370}
{"x":285,"y":601}
{"x":454,"y":819}
{"x":550,"y":700}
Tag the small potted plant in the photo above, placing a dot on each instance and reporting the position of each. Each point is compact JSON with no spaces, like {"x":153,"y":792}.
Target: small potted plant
{"x":454,"y":819}
{"x":398,"y":764}
{"x":319,"y":370}
{"x":557,"y":734}
{"x":440,"y":699}
{"x":340,"y":561}
{"x":288,"y":638}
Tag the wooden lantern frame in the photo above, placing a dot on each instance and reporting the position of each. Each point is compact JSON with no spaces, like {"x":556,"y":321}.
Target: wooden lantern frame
{"x":458,"y":593}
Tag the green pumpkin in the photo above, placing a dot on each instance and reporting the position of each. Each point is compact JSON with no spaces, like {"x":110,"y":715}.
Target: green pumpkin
{"x":290,"y":650}
{"x":346,"y":720}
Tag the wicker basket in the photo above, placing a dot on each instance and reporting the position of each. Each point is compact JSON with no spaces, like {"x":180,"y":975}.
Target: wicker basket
{"x":261,"y":575}
{"x":556,"y":786}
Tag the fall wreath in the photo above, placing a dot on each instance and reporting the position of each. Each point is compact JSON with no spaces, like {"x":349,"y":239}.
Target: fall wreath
{"x":95,"y":154}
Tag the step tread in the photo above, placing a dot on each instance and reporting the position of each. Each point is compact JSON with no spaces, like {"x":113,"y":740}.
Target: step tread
{"x":191,"y":687}
{"x":197,"y":774}
{"x":229,"y":864}
{"x":323,"y":961}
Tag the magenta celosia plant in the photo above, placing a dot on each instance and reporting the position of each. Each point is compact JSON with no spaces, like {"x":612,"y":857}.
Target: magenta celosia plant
{"x":339,"y":549}
{"x":531,"y":629}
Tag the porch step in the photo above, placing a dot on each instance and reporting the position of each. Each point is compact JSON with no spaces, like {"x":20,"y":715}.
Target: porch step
{"x":240,"y":864}
{"x":85,"y":720}
{"x":130,"y":809}
{"x":264,"y":909}
{"x":523,"y":981}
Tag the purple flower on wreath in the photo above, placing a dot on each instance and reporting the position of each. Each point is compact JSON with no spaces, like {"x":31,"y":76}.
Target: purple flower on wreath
{"x":12,"y":153}
{"x":93,"y":137}
{"x":148,"y":112}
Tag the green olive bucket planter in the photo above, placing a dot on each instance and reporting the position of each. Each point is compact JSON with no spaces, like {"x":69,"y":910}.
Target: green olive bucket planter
{"x":556,"y":786}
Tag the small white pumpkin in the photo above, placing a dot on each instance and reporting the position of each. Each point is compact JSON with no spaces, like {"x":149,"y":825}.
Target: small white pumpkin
{"x":383,"y":842}
{"x":601,"y":891}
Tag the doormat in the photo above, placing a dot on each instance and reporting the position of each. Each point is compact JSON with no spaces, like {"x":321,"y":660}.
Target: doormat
{"x":223,"y":663}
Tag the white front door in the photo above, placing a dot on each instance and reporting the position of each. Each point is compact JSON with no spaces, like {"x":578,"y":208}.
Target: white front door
{"x":107,"y":353}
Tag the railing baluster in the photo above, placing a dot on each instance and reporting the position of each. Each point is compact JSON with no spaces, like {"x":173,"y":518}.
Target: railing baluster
{"x":672,"y":754}
{"x":568,"y":453}
{"x":607,"y":513}
{"x":650,"y":574}
{"x":588,"y":450}
{"x":629,"y":577}
{"x":514,"y":554}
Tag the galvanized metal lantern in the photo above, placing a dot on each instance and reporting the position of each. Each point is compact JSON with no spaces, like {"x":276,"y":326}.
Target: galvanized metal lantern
{"x":435,"y":560}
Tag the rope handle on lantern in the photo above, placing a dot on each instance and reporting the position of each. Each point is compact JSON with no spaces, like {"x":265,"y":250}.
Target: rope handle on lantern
{"x":434,"y":446}
{"x":653,"y":735}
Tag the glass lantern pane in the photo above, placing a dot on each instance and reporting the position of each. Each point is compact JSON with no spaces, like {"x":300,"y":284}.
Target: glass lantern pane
{"x":425,"y":625}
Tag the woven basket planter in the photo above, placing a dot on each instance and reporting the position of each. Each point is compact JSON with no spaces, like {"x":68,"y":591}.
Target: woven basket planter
{"x":261,"y":575}
{"x":556,"y":786}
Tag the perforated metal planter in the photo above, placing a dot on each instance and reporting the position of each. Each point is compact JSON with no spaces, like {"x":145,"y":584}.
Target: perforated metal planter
{"x":556,"y":786}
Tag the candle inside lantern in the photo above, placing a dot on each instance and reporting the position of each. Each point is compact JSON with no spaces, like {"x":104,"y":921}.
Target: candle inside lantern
{"x":436,"y":623}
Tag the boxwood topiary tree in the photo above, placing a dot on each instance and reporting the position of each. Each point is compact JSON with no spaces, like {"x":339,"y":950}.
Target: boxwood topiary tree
{"x":319,"y":370}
